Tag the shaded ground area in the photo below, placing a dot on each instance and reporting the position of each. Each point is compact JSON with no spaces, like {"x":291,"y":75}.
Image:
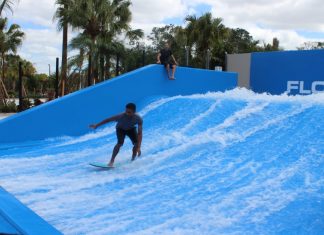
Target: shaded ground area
{"x":4,"y":115}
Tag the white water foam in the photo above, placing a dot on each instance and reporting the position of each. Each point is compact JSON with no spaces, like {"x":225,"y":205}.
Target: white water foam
{"x":216,"y":163}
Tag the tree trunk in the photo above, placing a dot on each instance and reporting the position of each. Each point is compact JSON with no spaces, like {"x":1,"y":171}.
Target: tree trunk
{"x":3,"y":91}
{"x":90,"y":69}
{"x":80,"y":78}
{"x":107,"y":68}
{"x":117,"y":65}
{"x":3,"y":67}
{"x":64,"y":58}
{"x":102,"y":68}
{"x":13,"y":85}
{"x":96,"y":74}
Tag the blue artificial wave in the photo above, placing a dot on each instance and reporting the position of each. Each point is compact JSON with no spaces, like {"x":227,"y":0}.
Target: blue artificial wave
{"x":216,"y":163}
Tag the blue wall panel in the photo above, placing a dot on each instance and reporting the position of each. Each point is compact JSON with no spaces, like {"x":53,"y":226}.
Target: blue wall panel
{"x":15,"y":218}
{"x":6,"y":227}
{"x":72,"y":114}
{"x":297,"y":72}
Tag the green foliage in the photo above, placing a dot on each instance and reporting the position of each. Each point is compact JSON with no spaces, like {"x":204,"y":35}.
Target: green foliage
{"x":10,"y":38}
{"x":6,"y":5}
{"x":240,"y":41}
{"x":34,"y":83}
{"x":133,"y":59}
{"x":311,"y":46}
{"x":203,"y":35}
{"x":101,"y":24}
{"x":37,"y":102}
{"x":104,"y":34}
{"x":174,"y":35}
{"x":26,"y":104}
{"x":9,"y":108}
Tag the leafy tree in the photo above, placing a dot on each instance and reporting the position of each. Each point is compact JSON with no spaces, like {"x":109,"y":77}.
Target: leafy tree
{"x":133,"y":58}
{"x":101,"y":25}
{"x":99,"y":18}
{"x":240,"y":41}
{"x":271,"y":47}
{"x":10,"y":40}
{"x":35,"y":84}
{"x":174,"y":35}
{"x":62,"y":14}
{"x":76,"y":66}
{"x":4,"y":5}
{"x":205,"y":35}
{"x":160,"y":35}
{"x":311,"y":46}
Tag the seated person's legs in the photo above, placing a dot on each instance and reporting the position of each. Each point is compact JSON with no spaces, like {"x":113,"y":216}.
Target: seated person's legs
{"x":173,"y":67}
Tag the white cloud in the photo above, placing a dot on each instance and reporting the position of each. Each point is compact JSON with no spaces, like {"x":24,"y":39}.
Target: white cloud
{"x":154,"y":12}
{"x":268,"y":19}
{"x":41,"y":47}
{"x":36,"y":12}
{"x":262,"y":18}
{"x":276,"y":14}
{"x":42,"y":43}
{"x":289,"y":39}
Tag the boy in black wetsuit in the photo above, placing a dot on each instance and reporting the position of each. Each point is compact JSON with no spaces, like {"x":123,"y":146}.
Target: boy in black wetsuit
{"x":126,"y":125}
{"x":166,"y":58}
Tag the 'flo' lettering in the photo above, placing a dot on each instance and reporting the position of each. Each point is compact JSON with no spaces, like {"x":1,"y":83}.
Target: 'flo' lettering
{"x":316,"y":87}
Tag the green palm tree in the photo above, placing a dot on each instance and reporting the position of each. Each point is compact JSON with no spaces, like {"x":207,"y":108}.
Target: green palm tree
{"x":203,"y":33}
{"x":10,"y":40}
{"x":134,"y":35}
{"x":106,"y":49}
{"x":192,"y":30}
{"x":6,"y":4}
{"x":82,"y":43}
{"x":77,"y":62}
{"x":100,"y":22}
{"x":108,"y":46}
{"x":76,"y":68}
{"x":63,"y":15}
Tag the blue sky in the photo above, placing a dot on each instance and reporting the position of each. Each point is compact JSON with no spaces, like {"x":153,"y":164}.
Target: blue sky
{"x":293,"y":23}
{"x":199,"y":10}
{"x":27,"y":25}
{"x":311,"y":35}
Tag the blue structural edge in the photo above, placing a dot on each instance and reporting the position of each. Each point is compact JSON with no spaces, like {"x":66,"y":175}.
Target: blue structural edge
{"x":6,"y":227}
{"x":72,"y":114}
{"x":19,"y":219}
{"x":271,"y":71}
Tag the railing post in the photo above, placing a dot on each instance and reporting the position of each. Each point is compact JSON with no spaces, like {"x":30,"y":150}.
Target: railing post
{"x":89,"y":70}
{"x":143,"y":58}
{"x":57,"y":79}
{"x":207,"y":59}
{"x":187,"y":56}
{"x":20,"y":87}
{"x":117,"y":65}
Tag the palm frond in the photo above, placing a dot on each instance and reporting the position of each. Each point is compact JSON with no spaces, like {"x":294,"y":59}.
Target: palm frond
{"x":7,"y":5}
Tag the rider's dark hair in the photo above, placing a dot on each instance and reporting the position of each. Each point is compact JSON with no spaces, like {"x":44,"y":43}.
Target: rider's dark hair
{"x":131,"y":106}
